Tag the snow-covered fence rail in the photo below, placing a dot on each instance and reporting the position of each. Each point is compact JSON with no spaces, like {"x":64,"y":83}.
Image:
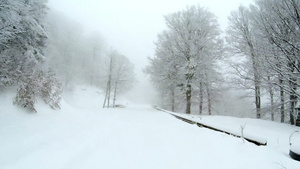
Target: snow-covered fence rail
{"x":258,"y":141}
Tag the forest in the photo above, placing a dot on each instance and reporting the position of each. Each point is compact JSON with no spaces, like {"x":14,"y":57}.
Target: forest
{"x":260,"y":45}
{"x":43,"y":53}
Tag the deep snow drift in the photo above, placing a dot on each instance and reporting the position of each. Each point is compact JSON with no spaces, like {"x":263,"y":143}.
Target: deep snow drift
{"x":83,"y":135}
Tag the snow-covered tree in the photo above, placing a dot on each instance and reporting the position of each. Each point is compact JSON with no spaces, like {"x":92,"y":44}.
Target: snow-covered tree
{"x":120,"y":77}
{"x":22,"y":49}
{"x":279,"y":22}
{"x":41,"y":84}
{"x":268,"y":34}
{"x":23,"y":38}
{"x":164,"y":71}
{"x":242,"y":39}
{"x":190,"y":42}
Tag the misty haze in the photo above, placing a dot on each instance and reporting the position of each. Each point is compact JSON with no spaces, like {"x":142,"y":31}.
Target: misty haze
{"x":149,"y":84}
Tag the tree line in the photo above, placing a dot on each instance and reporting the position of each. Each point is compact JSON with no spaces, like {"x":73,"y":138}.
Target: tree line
{"x":43,"y":52}
{"x":261,"y":45}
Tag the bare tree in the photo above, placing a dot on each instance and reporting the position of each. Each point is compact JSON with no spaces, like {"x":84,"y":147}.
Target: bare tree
{"x":120,"y":77}
{"x":109,"y":81}
{"x":268,"y":33}
{"x":279,"y":21}
{"x":243,"y":42}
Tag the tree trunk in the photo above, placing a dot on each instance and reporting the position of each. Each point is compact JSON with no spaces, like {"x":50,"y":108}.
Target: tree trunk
{"x":105,"y":98}
{"x":108,"y":92}
{"x":293,"y":99}
{"x":115,"y":94}
{"x":257,"y":101}
{"x":208,"y":99}
{"x":256,"y":81}
{"x":271,"y":92}
{"x":173,"y":99}
{"x":201,"y":98}
{"x":292,"y":109}
{"x":108,"y":86}
{"x":188,"y":98}
{"x":298,"y":118}
{"x":282,"y":100}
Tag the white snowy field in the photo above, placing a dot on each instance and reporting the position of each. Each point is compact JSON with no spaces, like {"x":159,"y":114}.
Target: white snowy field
{"x":82,"y":135}
{"x":276,"y":135}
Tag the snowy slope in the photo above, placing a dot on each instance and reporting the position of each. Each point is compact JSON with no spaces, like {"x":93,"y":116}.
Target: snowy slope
{"x":83,"y":135}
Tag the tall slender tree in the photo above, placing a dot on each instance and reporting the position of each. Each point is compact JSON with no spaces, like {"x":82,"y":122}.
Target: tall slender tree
{"x":120,"y":77}
{"x":242,"y":39}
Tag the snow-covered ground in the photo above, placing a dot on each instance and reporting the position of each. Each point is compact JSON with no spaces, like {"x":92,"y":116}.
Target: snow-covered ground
{"x":276,"y":135}
{"x":82,"y":135}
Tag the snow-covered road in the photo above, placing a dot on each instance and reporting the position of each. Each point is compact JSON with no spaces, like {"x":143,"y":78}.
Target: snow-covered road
{"x":136,"y":137}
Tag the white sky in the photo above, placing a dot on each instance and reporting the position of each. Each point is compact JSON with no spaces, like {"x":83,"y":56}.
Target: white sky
{"x":131,"y":26}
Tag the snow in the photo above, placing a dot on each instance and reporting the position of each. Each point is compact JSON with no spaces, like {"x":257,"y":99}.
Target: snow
{"x":83,"y":135}
{"x":276,"y":135}
{"x":295,"y":142}
{"x":280,"y":137}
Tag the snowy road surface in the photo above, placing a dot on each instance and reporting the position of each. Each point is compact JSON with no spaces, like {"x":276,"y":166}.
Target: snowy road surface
{"x":136,"y":137}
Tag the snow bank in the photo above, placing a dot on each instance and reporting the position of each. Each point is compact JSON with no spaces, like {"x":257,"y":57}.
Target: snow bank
{"x":275,"y":134}
{"x":295,"y":142}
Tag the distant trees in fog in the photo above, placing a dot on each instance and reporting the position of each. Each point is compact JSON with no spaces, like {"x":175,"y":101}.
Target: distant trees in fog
{"x":43,"y":53}
{"x":77,"y":57}
{"x":120,"y":77}
{"x":81,"y":58}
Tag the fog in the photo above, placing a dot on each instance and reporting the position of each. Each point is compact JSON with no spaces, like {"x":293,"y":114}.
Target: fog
{"x":131,"y":27}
